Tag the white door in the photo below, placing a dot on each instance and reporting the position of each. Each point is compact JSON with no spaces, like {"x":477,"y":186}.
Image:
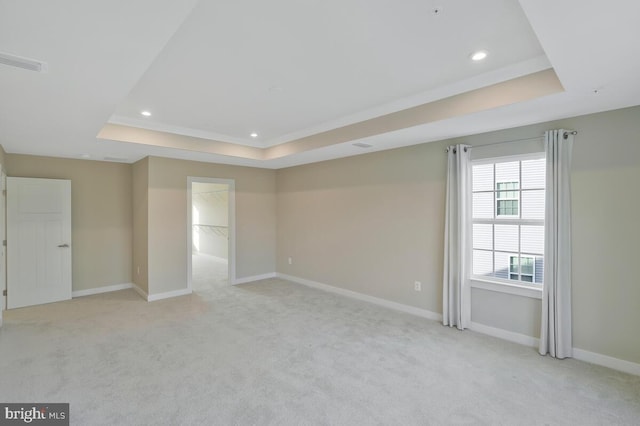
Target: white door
{"x":38,"y":241}
{"x":3,"y":263}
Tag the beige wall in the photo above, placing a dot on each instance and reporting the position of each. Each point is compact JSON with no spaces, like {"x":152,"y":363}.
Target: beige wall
{"x":101,"y":214}
{"x":374,"y":224}
{"x":255,"y":219}
{"x":371,"y":224}
{"x":140,"y":205}
{"x":507,"y":312}
{"x":2,"y":157}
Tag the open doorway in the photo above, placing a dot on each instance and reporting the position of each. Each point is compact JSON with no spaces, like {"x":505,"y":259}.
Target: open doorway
{"x":211,"y":231}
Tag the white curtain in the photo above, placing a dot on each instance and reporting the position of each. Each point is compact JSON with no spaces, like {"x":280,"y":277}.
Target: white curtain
{"x":555,"y":334}
{"x":456,"y":293}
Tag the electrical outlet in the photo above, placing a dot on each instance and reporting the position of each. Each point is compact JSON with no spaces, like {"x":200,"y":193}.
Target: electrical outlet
{"x":417,"y":285}
{"x":290,"y":261}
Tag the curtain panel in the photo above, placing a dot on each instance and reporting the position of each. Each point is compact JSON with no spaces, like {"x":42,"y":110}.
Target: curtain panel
{"x":456,"y":291}
{"x":555,"y":333}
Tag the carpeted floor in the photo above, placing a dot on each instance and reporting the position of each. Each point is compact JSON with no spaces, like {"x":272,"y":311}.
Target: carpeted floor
{"x":276,"y":353}
{"x":208,"y":272}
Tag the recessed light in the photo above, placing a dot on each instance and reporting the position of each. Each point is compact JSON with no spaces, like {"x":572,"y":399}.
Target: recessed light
{"x":479,"y":55}
{"x":254,"y":135}
{"x":146,"y":113}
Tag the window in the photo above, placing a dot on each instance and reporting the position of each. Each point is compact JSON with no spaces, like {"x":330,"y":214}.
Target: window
{"x":507,"y":200}
{"x":525,"y":270}
{"x":508,"y":219}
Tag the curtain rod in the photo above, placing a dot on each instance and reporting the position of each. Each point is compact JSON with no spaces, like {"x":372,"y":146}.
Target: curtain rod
{"x":565,"y":135}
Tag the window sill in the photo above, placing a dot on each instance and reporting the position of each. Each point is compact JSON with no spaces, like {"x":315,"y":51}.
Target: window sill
{"x":518,"y":290}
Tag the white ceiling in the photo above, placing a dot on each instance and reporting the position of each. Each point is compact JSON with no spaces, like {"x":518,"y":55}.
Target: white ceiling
{"x":290,"y":69}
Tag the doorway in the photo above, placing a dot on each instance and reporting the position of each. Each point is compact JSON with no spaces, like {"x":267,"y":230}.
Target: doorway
{"x":211,"y":232}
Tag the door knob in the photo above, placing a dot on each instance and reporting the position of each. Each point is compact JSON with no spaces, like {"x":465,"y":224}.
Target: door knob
{"x":63,"y":245}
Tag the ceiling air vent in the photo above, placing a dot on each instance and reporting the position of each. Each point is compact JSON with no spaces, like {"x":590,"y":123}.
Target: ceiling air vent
{"x":362,"y":145}
{"x":24,"y":63}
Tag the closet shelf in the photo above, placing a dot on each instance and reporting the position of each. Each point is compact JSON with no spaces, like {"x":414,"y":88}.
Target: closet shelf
{"x":222,"y":231}
{"x":217,"y":196}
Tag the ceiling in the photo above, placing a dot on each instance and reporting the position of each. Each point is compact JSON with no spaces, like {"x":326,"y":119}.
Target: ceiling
{"x":311,"y":78}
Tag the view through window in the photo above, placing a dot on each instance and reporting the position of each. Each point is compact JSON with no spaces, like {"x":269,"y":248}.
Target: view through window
{"x":508,"y":219}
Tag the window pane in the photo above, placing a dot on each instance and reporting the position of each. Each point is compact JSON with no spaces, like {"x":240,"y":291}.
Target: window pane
{"x":508,"y":172}
{"x":533,"y":174}
{"x":502,"y":262}
{"x":483,"y":205}
{"x":482,"y":263}
{"x":483,"y":177}
{"x":506,"y":237}
{"x":507,"y":208}
{"x":533,"y":204}
{"x":506,"y":195}
{"x":506,"y":186}
{"x":513,"y":264}
{"x":526,"y":269}
{"x":527,"y":278}
{"x":532,"y":239}
{"x":526,"y":265}
{"x":482,"y":236}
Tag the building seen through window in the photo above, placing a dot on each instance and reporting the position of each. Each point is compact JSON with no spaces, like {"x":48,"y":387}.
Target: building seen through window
{"x":508,"y":219}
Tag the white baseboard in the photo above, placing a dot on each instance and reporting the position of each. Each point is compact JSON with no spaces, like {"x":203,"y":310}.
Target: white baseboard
{"x":140,"y":291}
{"x":98,"y":290}
{"x":607,"y":361}
{"x":254,"y":278}
{"x":168,"y":294}
{"x":160,"y":296}
{"x":511,"y":336}
{"x":364,"y":297}
{"x":579,"y":354}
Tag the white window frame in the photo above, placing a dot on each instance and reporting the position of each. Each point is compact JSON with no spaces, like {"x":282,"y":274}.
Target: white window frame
{"x":521,"y":288}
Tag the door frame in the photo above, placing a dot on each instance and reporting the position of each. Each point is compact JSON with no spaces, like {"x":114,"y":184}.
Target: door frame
{"x":3,"y":237}
{"x":231,"y":205}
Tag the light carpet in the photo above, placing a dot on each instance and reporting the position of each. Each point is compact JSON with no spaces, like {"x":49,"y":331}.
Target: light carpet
{"x":276,"y":353}
{"x":208,"y":272}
